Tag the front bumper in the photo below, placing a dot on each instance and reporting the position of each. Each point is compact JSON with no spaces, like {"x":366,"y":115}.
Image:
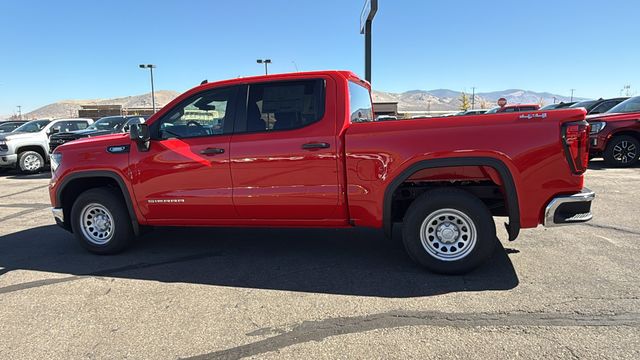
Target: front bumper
{"x":569,"y":209}
{"x":58,"y":215}
{"x":8,"y":159}
{"x":597,"y":143}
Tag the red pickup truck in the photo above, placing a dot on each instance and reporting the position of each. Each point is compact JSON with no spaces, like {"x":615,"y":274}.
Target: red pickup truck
{"x":302,"y":150}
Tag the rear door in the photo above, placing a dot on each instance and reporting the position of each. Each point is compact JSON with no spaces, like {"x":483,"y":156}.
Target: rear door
{"x":284,"y":161}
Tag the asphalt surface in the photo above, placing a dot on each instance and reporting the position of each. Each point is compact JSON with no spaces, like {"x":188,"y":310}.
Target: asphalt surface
{"x":571,"y":292}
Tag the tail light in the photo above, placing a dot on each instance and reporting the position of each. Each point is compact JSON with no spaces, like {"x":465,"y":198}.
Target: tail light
{"x":575,"y":136}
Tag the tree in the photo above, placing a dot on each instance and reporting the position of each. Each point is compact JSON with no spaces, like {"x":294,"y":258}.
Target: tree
{"x":541,"y":102}
{"x":464,"y":102}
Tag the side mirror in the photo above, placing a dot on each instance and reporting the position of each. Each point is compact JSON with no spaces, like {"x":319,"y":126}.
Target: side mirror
{"x":54,"y":131}
{"x":140,"y":134}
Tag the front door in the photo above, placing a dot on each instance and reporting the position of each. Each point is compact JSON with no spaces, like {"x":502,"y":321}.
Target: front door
{"x":185,"y":176}
{"x":284,"y":161}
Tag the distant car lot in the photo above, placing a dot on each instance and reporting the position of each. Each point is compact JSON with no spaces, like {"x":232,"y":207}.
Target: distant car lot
{"x":563,"y":292}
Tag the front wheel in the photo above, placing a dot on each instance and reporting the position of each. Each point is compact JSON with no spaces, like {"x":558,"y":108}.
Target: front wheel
{"x":101,"y":222}
{"x":622,"y":151}
{"x":30,"y":162}
{"x":449,"y":231}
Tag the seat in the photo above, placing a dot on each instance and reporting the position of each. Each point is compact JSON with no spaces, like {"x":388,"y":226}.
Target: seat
{"x":254,"y":118}
{"x":285,"y":120}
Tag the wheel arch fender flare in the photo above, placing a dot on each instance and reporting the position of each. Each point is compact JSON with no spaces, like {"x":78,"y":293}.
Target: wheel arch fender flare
{"x":512,"y":204}
{"x":102,"y":174}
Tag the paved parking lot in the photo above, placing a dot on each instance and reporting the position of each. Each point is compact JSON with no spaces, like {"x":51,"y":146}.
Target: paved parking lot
{"x":230,"y":293}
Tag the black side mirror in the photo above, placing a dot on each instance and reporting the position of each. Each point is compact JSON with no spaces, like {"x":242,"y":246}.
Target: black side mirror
{"x":140,"y":134}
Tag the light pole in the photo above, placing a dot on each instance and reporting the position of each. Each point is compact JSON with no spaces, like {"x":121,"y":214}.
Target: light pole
{"x":266,"y":63}
{"x":473,"y":98}
{"x":572,"y":90}
{"x":153,"y":94}
{"x":19,"y":112}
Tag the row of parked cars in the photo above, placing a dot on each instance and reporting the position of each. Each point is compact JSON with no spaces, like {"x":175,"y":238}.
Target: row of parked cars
{"x":26,"y":145}
{"x":598,"y":106}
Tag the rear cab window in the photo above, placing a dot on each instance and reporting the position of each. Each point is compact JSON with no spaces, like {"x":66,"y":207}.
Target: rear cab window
{"x":360,"y":107}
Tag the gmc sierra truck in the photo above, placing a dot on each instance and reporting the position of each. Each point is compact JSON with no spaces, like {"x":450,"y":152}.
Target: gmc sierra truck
{"x":303,"y":150}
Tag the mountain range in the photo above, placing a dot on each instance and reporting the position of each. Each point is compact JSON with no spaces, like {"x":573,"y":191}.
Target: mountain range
{"x":414,"y":100}
{"x":450,"y":100}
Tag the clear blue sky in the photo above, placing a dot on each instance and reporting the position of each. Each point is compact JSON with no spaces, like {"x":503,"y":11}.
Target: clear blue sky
{"x":53,"y":50}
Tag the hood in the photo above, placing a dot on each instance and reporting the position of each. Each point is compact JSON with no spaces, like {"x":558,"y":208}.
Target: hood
{"x":105,"y":140}
{"x":80,"y":134}
{"x":17,"y":135}
{"x":613,"y":116}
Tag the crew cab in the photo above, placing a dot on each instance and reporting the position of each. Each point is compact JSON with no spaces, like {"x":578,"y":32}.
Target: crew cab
{"x":103,"y":126}
{"x":513,"y":108}
{"x":27,"y":147}
{"x":615,"y":135}
{"x":303,"y":150}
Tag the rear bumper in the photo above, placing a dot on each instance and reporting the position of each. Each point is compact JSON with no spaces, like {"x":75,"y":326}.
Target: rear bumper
{"x":569,"y":209}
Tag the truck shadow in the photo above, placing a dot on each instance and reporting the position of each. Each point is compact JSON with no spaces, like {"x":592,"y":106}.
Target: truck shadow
{"x":347,"y":262}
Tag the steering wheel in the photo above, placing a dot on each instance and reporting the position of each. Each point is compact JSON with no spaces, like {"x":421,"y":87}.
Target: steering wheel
{"x":194,"y":123}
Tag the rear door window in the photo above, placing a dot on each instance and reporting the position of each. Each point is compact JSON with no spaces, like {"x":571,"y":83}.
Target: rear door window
{"x":284,"y":105}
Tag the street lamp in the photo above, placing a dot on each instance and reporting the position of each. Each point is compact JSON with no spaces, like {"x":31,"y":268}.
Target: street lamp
{"x":266,"y":63}
{"x":153,"y":94}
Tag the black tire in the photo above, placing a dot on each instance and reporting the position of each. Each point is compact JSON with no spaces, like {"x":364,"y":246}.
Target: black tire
{"x":622,"y":151}
{"x":453,"y":202}
{"x":30,"y":162}
{"x":119,"y":228}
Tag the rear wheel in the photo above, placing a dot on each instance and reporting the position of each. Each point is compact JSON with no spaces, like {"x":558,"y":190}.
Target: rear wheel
{"x":449,"y":231}
{"x":100,"y":221}
{"x":30,"y":162}
{"x":622,"y":151}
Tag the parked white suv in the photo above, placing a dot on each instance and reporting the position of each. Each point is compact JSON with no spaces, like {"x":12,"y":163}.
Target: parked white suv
{"x":27,"y":147}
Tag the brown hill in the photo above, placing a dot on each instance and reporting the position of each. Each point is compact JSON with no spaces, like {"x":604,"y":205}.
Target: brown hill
{"x":69,"y":108}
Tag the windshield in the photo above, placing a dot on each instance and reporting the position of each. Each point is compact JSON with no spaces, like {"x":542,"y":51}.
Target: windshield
{"x":494,"y":110}
{"x":108,"y":123}
{"x":627,"y":106}
{"x":33,"y":126}
{"x":584,"y":104}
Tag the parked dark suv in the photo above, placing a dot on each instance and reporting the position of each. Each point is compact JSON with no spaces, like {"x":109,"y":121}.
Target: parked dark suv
{"x":615,"y":135}
{"x":9,"y":126}
{"x":104,"y":126}
{"x":599,"y":106}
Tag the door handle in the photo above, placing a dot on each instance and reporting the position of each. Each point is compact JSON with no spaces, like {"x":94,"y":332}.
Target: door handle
{"x":315,"y":145}
{"x":212,"y":151}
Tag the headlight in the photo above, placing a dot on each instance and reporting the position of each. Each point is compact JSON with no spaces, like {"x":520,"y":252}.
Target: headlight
{"x":2,"y":142}
{"x":597,"y":126}
{"x":55,"y":159}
